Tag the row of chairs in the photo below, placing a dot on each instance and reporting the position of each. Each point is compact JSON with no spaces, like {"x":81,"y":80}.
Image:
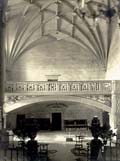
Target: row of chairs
{"x":20,"y":149}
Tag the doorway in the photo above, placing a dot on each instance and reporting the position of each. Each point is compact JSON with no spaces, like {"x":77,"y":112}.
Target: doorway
{"x":106,"y":120}
{"x":56,"y":121}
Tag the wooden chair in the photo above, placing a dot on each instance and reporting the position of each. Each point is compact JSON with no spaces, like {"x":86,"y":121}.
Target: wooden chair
{"x":43,"y":151}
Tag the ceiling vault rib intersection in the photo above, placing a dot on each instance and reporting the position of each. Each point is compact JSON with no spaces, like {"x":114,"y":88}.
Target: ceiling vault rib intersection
{"x":58,"y":11}
{"x":93,"y":37}
{"x":82,"y":32}
{"x":101,"y":56}
{"x":95,"y":40}
{"x":33,"y":43}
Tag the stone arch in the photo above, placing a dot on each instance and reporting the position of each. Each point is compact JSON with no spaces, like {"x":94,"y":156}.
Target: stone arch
{"x":31,"y":100}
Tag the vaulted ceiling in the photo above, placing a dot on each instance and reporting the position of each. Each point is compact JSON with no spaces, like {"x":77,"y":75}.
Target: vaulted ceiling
{"x":32,"y":24}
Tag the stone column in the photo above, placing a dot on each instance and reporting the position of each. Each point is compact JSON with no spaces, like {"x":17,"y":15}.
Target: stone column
{"x":2,"y":27}
{"x":115,"y":110}
{"x":113,"y":122}
{"x":4,"y":139}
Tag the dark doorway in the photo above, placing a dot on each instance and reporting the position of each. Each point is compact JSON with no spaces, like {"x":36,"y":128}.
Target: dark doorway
{"x":20,"y":120}
{"x":106,"y":120}
{"x":56,"y":121}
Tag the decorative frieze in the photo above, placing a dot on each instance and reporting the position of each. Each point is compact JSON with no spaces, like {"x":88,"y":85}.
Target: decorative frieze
{"x":104,"y":99}
{"x":12,"y":99}
{"x":60,"y":87}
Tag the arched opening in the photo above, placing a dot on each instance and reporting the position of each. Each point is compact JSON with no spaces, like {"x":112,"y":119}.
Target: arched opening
{"x":66,"y":109}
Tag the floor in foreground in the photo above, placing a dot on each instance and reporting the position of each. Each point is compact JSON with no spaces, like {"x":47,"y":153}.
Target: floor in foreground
{"x":61,"y":147}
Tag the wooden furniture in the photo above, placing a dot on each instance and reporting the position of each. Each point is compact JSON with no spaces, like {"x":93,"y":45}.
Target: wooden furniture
{"x":39,"y":123}
{"x":79,"y":149}
{"x":75,"y":124}
{"x":79,"y":142}
{"x":43,"y":151}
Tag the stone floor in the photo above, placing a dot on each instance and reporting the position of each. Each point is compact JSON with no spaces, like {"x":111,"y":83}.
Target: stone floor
{"x":56,"y":152}
{"x":61,"y":147}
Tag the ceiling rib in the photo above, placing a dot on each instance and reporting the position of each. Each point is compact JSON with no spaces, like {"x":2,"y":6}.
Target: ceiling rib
{"x":93,"y":36}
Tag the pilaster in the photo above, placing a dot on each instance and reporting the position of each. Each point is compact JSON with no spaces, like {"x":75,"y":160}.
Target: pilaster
{"x":115,"y":110}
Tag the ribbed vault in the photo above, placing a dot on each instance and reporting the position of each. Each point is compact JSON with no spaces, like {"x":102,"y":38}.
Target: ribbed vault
{"x":35,"y":20}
